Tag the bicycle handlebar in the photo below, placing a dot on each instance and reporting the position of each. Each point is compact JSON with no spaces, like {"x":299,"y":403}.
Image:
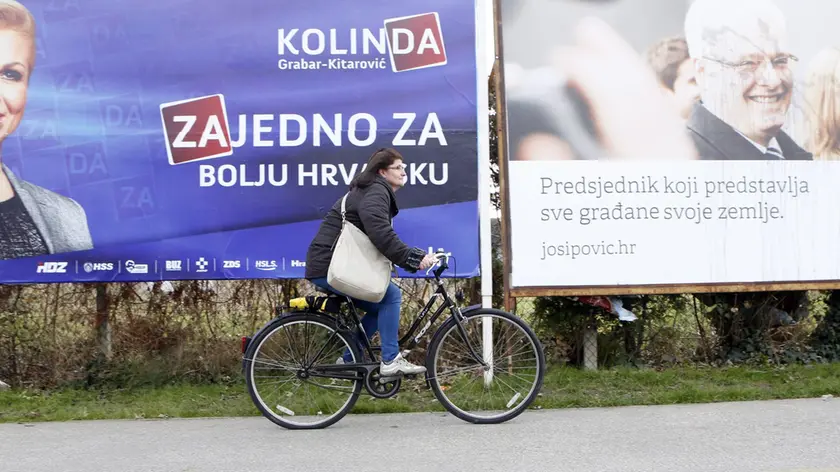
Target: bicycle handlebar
{"x":442,"y":263}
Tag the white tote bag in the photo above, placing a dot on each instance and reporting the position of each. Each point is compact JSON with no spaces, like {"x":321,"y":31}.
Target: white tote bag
{"x":357,"y":268}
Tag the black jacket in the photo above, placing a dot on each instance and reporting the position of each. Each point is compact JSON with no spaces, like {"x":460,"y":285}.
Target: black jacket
{"x":371,"y":209}
{"x":715,"y":140}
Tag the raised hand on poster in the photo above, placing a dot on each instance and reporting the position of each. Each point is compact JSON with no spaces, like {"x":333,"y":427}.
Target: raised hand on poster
{"x":622,"y":104}
{"x":632,"y":117}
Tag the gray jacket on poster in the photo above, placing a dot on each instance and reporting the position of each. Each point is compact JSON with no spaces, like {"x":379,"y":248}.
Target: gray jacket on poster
{"x":61,"y":221}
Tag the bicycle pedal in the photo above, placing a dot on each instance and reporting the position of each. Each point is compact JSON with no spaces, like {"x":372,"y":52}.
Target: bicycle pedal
{"x":384,"y":380}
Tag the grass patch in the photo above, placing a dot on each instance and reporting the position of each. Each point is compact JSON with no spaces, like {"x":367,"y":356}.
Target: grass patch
{"x":563,"y":388}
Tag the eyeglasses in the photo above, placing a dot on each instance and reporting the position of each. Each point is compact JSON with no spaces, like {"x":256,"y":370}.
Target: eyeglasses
{"x":780,"y":63}
{"x":397,"y":167}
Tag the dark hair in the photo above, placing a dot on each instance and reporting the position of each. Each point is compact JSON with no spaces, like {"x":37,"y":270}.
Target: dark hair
{"x":665,"y":58}
{"x":382,"y":158}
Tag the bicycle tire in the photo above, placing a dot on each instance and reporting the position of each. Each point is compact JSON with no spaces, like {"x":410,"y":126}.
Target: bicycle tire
{"x":433,"y":351}
{"x":273,"y":327}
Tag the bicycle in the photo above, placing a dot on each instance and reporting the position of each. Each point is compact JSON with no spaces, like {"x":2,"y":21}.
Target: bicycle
{"x":339,"y":320}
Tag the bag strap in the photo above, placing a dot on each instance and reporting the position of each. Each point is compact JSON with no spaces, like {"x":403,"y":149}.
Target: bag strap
{"x":344,"y":208}
{"x":343,"y":219}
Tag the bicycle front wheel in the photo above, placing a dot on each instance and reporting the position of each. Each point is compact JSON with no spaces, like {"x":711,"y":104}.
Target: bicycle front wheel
{"x":515,"y":366}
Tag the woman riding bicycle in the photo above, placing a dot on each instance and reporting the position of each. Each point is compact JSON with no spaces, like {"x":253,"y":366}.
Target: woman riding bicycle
{"x":371,"y":205}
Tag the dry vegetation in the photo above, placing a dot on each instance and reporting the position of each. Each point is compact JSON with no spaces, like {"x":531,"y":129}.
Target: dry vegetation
{"x":150,"y":334}
{"x":141,"y":333}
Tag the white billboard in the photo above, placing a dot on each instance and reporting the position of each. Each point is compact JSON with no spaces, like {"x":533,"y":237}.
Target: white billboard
{"x":670,"y":143}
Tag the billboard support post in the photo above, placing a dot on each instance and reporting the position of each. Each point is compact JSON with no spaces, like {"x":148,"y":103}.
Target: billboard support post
{"x":483,"y":71}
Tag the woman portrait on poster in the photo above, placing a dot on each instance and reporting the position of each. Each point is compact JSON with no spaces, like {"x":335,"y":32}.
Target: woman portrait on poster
{"x":33,"y":220}
{"x":822,"y":102}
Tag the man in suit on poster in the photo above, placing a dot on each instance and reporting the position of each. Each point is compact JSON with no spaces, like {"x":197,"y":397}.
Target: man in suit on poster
{"x":745,"y":76}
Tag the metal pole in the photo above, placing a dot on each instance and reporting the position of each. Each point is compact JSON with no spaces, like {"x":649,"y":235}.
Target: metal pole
{"x":485,"y":41}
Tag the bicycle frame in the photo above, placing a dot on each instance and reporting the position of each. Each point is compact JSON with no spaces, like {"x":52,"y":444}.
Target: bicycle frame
{"x":409,"y":340}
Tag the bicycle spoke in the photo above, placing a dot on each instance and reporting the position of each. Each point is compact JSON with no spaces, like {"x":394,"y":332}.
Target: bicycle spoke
{"x":322,"y":351}
{"x":272,"y":364}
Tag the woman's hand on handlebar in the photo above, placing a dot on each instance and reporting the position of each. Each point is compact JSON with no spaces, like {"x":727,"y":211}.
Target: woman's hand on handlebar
{"x":428,"y":261}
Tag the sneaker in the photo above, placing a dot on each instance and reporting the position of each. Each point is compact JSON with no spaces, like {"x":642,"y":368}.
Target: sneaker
{"x":400,"y":366}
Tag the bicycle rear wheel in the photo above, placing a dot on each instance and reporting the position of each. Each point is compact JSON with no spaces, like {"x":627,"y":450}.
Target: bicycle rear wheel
{"x":461,"y":383}
{"x":285,"y":376}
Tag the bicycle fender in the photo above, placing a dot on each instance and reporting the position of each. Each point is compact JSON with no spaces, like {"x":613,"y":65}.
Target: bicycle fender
{"x":470,"y":308}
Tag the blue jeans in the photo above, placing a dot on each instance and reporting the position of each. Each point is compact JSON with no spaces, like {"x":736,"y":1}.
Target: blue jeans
{"x":384,"y":315}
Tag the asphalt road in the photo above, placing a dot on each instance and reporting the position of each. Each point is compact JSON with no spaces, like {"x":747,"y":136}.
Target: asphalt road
{"x":777,"y":436}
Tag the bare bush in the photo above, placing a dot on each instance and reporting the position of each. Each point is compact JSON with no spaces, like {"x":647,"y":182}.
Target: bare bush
{"x":145,"y":333}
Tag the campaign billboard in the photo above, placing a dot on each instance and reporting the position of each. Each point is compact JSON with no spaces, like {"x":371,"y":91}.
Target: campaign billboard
{"x":186,"y":139}
{"x":670,"y":145}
